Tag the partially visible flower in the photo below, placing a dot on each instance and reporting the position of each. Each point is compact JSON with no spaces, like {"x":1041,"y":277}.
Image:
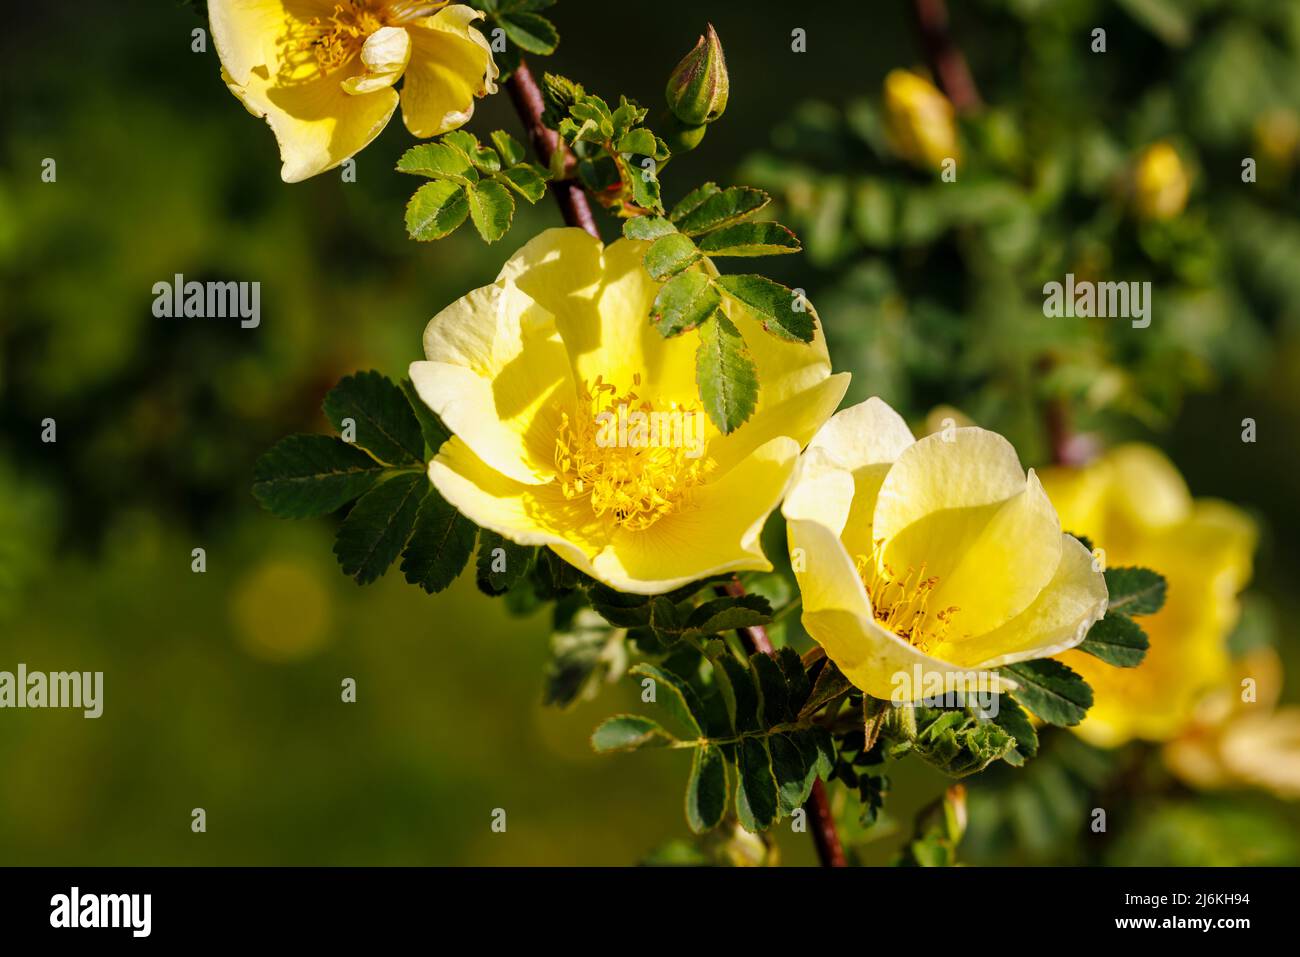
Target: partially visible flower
{"x":1133,"y":504}
{"x":536,"y":374}
{"x":1161,"y":182}
{"x":930,"y":557}
{"x":1235,"y":739}
{"x":919,"y":120}
{"x":322,"y":72}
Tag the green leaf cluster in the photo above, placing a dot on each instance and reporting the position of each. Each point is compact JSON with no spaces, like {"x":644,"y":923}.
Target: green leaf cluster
{"x":525,"y":28}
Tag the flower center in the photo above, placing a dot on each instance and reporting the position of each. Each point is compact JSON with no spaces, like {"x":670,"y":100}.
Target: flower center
{"x":321,"y":45}
{"x":634,"y":462}
{"x":902,"y":604}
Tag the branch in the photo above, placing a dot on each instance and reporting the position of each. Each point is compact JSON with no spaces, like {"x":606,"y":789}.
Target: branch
{"x":945,"y":58}
{"x":527,"y":98}
{"x":818,"y":805}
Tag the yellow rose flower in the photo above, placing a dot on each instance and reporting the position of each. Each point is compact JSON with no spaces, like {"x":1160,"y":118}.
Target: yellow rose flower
{"x":1160,"y":182}
{"x":932,"y":557}
{"x":322,"y":71}
{"x":537,"y":375}
{"x":919,"y":120}
{"x":1133,"y":504}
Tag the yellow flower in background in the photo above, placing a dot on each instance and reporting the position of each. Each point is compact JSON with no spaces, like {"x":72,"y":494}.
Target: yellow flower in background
{"x":1133,"y":504}
{"x":538,"y":376}
{"x":919,"y":120}
{"x":940,"y":554}
{"x":1241,"y":738}
{"x":1160,"y":182}
{"x":322,"y":72}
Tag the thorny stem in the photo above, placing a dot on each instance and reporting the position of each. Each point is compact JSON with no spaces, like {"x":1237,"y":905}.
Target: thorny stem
{"x":946,"y":60}
{"x":527,"y":98}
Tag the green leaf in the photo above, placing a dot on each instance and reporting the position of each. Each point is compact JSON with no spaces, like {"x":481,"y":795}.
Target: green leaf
{"x":1014,"y":720}
{"x":738,"y":687}
{"x":670,"y":254}
{"x":750,"y":239}
{"x":796,"y":677}
{"x":373,"y":534}
{"x":647,"y":227}
{"x":675,"y":695}
{"x":757,"y":801}
{"x":438,"y":160}
{"x":501,"y":563}
{"x":719,"y":209}
{"x":525,"y":180}
{"x":829,"y":685}
{"x":431,"y":427}
{"x":1117,"y":640}
{"x":725,"y":374}
{"x":511,"y":150}
{"x":1135,"y":591}
{"x":630,"y":732}
{"x":692,"y":201}
{"x":640,"y":141}
{"x":585,"y":654}
{"x":1051,"y":690}
{"x":794,"y":778}
{"x":435,"y":210}
{"x":303,"y":476}
{"x":645,"y":185}
{"x":706,"y":789}
{"x":683,"y":303}
{"x":440,"y":544}
{"x":772,"y":690}
{"x":775,"y":305}
{"x":530,"y":31}
{"x":729,"y":613}
{"x":385,"y":424}
{"x":492,"y":208}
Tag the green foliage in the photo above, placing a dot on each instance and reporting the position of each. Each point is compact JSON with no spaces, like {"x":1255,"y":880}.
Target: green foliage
{"x":526,"y":30}
{"x":470,"y":180}
{"x":1117,"y":639}
{"x":725,"y":373}
{"x":1051,"y":690}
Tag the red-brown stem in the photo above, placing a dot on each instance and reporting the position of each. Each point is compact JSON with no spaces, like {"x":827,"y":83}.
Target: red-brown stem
{"x":944,"y":56}
{"x":818,"y":805}
{"x":527,"y":98}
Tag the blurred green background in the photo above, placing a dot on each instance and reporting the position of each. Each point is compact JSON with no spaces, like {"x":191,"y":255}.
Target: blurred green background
{"x":222,"y":690}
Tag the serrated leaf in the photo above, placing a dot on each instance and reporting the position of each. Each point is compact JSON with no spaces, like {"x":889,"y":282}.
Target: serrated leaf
{"x":501,"y":563}
{"x":796,"y":677}
{"x":692,"y":200}
{"x":683,"y":303}
{"x":1117,"y":640}
{"x":757,"y":801}
{"x":385,"y":424}
{"x":438,"y":160}
{"x":647,"y":227}
{"x":794,"y":779}
{"x":640,"y":141}
{"x":585,"y":654}
{"x":1051,"y":690}
{"x":1014,"y":720}
{"x":530,"y":31}
{"x":645,"y":185}
{"x":706,"y":789}
{"x":722,"y":208}
{"x":435,"y":210}
{"x":303,"y":476}
{"x":674,"y":694}
{"x":629,"y":732}
{"x":740,"y":688}
{"x":492,"y":208}
{"x":775,"y":305}
{"x":511,"y":150}
{"x":669,"y":255}
{"x":773,"y":693}
{"x":750,"y":239}
{"x":725,"y":374}
{"x":525,"y":180}
{"x":1135,"y":591}
{"x":376,"y":530}
{"x":729,"y":613}
{"x":829,"y":684}
{"x":431,"y":427}
{"x":440,"y":545}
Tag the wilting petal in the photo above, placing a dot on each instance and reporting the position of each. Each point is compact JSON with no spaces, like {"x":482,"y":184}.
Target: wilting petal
{"x":451,"y":63}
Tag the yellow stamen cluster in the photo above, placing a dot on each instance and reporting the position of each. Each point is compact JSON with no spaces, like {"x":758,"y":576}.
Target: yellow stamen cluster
{"x":635,"y":483}
{"x":324,"y":44}
{"x":902,"y":605}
